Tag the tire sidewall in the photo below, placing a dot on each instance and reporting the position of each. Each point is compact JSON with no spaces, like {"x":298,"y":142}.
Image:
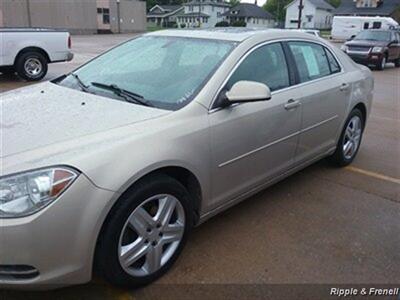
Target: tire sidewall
{"x":107,"y":256}
{"x":20,"y":66}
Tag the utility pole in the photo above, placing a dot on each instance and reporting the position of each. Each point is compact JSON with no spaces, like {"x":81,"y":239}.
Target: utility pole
{"x":300,"y":10}
{"x":199,"y":13}
{"x":119,"y":16}
{"x":28,"y":11}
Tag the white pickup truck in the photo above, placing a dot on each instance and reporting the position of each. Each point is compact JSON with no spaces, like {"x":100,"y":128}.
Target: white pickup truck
{"x":28,"y":51}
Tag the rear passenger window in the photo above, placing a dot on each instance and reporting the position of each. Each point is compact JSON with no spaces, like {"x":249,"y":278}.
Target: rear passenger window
{"x":267,"y":65}
{"x":335,"y":68}
{"x":311,"y":60}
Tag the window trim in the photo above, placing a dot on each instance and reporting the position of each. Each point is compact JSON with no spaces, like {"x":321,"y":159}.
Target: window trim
{"x":296,"y":84}
{"x":325,"y":49}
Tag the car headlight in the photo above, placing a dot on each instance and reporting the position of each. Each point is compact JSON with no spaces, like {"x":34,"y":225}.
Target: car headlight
{"x":26,"y":193}
{"x":377,"y":49}
{"x":344,"y":48}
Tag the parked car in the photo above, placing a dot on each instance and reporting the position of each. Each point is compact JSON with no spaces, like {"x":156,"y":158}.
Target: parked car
{"x":347,"y":27}
{"x":28,"y":51}
{"x":375,"y":47}
{"x":309,"y":31}
{"x":108,"y":168}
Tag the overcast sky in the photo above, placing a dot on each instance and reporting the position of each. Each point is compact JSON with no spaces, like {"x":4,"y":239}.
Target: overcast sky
{"x":259,"y":2}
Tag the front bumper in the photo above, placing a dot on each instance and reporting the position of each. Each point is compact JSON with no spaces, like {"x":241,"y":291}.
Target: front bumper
{"x":55,"y":246}
{"x":367,"y":58}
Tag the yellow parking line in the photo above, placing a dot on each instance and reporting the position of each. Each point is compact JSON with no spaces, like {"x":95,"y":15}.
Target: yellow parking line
{"x":373,"y":174}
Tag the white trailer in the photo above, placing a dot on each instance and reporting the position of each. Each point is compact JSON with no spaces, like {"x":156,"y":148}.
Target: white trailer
{"x":346,"y":27}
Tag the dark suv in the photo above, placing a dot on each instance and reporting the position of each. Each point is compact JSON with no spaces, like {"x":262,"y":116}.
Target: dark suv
{"x":375,"y":47}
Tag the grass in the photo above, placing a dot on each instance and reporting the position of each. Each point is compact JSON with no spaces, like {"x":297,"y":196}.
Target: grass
{"x":151,"y":28}
{"x":325,"y":33}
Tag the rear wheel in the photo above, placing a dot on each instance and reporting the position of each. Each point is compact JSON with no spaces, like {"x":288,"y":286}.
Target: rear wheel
{"x":145,"y":232}
{"x":31,"y":66}
{"x":350,"y":139}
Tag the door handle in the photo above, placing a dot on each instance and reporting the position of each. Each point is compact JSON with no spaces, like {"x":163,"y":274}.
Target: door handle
{"x":344,"y":86}
{"x":292,"y":104}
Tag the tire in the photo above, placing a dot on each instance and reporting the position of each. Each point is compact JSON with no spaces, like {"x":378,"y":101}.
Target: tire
{"x":31,"y":66}
{"x":117,"y":234}
{"x":381,"y":64}
{"x":340,"y":157}
{"x":397,"y":63}
{"x":7,"y":70}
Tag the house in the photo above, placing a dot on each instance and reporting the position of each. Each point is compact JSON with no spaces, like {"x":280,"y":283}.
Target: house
{"x":382,"y":8}
{"x":202,"y":13}
{"x":164,"y":15}
{"x":251,"y":14}
{"x":316,"y":14}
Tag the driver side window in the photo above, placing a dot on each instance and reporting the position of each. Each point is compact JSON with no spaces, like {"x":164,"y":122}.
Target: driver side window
{"x":267,"y":65}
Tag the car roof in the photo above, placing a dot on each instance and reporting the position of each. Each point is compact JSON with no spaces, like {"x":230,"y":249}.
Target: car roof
{"x":232,"y":33}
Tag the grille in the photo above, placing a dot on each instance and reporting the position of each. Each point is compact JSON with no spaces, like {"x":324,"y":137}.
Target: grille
{"x":15,"y":272}
{"x":360,"y":48}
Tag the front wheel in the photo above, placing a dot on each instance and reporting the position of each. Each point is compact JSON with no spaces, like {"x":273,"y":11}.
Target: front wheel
{"x":350,"y":139}
{"x":381,"y":64}
{"x":145,"y":232}
{"x":397,"y":63}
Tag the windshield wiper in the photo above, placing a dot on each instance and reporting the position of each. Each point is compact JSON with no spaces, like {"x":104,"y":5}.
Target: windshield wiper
{"x":83,"y":86}
{"x":127,"y":95}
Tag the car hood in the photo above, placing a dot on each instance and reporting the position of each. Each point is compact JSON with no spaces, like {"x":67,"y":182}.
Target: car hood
{"x":366,"y":43}
{"x":45,"y":114}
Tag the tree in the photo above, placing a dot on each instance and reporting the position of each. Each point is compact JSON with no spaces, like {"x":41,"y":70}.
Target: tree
{"x":277,"y":8}
{"x":233,"y":3}
{"x":334,"y":3}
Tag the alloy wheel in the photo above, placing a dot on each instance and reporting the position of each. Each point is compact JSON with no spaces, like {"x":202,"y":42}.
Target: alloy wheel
{"x":151,"y":235}
{"x":33,"y":66}
{"x":383,"y":62}
{"x":352,"y":137}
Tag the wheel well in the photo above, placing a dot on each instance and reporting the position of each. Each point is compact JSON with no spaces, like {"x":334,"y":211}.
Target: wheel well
{"x":32,"y":49}
{"x":188,"y":180}
{"x":361,"y":107}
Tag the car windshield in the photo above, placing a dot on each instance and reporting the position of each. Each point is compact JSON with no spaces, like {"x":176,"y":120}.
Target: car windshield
{"x":381,"y":36}
{"x":165,"y":72}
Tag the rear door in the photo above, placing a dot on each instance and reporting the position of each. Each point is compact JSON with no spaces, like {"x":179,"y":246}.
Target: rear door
{"x":324,"y":97}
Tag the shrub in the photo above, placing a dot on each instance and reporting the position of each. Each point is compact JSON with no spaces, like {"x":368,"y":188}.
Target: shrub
{"x":222,"y":24}
{"x":238,"y":24}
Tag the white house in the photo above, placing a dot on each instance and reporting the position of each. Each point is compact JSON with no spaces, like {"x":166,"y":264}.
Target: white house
{"x":251,"y":14}
{"x":202,"y":13}
{"x":164,"y":15}
{"x":316,"y":14}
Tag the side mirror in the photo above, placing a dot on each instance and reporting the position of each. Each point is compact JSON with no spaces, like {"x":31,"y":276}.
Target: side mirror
{"x":248,"y":91}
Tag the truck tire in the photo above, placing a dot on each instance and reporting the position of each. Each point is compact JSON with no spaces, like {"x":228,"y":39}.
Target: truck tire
{"x":381,"y":63}
{"x":31,"y":66}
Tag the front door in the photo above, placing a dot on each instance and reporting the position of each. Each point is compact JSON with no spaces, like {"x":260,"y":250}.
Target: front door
{"x":394,"y":46}
{"x":252,"y":142}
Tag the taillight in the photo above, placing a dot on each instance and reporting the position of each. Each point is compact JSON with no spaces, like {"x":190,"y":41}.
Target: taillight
{"x":69,"y":42}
